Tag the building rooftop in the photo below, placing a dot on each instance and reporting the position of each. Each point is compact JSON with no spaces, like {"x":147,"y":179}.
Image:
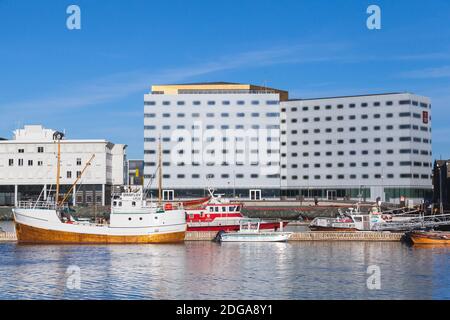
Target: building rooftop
{"x":39,"y":134}
{"x":215,"y":87}
{"x":352,"y":96}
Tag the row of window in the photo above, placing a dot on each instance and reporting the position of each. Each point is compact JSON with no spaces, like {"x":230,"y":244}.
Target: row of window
{"x":363,"y":105}
{"x":212,"y":115}
{"x":210,"y":127}
{"x":39,"y":150}
{"x":208,"y":139}
{"x":20,"y":162}
{"x":363,"y":117}
{"x":69,"y":174}
{"x":305,"y":131}
{"x":366,"y":152}
{"x":212,"y":176}
{"x":366,"y":140}
{"x":341,"y":141}
{"x":366,"y":128}
{"x":213,"y":151}
{"x":210,"y":164}
{"x":212,"y":102}
{"x":362,"y":176}
{"x":295,"y":177}
{"x":363,"y":164}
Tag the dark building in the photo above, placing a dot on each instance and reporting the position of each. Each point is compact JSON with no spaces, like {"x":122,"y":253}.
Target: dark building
{"x":135,"y":172}
{"x":441,"y":180}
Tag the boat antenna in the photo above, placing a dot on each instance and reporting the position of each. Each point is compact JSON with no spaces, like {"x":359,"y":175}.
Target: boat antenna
{"x":58,"y":136}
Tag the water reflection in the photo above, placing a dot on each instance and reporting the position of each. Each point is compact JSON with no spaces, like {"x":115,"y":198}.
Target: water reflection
{"x":206,"y":270}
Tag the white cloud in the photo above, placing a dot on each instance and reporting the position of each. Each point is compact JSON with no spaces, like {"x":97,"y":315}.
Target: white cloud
{"x":427,"y":73}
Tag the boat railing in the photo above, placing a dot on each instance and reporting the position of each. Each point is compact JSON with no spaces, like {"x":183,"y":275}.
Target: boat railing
{"x":414,"y":223}
{"x":39,"y":205}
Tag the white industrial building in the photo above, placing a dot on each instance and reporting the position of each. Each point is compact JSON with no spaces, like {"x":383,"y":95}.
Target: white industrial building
{"x":254,"y":142}
{"x":28,"y":166}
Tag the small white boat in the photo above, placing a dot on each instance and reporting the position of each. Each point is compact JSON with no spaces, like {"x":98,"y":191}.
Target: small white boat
{"x":249,"y":232}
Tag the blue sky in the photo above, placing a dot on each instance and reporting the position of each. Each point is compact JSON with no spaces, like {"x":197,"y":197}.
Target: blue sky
{"x":91,"y":82}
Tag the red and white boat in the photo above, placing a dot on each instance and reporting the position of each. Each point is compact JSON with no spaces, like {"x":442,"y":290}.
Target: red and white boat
{"x":215,"y":213}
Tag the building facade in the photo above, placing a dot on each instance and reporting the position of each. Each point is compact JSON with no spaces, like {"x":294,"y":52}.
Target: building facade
{"x":254,"y":142}
{"x":135,"y":172}
{"x":366,"y":146}
{"x":219,"y":135}
{"x":28,"y":167}
{"x":441,"y":184}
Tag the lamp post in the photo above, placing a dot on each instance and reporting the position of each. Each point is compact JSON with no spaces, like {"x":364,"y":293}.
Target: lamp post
{"x":441,"y":207}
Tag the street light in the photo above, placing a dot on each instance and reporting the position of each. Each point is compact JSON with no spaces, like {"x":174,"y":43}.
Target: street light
{"x":441,"y":207}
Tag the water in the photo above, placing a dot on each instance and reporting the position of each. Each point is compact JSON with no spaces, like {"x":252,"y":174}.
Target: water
{"x":206,"y":270}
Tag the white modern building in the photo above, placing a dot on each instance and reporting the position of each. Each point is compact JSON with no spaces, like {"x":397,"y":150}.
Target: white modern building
{"x":28,"y":166}
{"x":369,"y":145}
{"x":254,"y":142}
{"x":220,"y":135}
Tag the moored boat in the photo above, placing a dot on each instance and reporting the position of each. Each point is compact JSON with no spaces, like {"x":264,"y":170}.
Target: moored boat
{"x":133,"y":219}
{"x":249,"y":231}
{"x":429,"y":237}
{"x":216,"y":213}
{"x":355,"y":220}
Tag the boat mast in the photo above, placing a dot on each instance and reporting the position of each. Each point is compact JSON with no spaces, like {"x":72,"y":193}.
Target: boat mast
{"x":57,"y":136}
{"x":159,"y":173}
{"x":78,"y":178}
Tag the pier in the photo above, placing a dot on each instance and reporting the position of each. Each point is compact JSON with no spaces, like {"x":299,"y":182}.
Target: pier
{"x":314,"y":236}
{"x":7,"y":236}
{"x":296,"y":236}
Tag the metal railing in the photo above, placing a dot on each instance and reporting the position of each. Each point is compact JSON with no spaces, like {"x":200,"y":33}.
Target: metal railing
{"x":415,"y":223}
{"x":47,"y":205}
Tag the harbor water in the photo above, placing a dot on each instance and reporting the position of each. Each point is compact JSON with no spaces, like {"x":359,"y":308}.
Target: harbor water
{"x":207,"y":270}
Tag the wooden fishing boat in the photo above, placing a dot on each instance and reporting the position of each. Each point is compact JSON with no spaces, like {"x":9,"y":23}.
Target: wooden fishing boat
{"x":133,"y":219}
{"x":430,"y":237}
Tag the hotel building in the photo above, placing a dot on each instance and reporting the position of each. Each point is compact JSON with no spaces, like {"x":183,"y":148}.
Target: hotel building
{"x":219,"y":135}
{"x":365,"y":146}
{"x":254,"y":142}
{"x":28,"y":167}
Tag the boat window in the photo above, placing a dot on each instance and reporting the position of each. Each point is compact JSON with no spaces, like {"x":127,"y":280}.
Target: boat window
{"x":224,"y":209}
{"x":231,"y":209}
{"x":133,"y":203}
{"x":120,"y":203}
{"x":357,"y":219}
{"x":238,"y":208}
{"x":114,"y":203}
{"x":211,"y":209}
{"x":217,"y":209}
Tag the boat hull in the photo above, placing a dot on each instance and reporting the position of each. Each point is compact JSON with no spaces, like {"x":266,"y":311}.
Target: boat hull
{"x":233,"y":227}
{"x":30,"y":234}
{"x":430,"y":238}
{"x":252,"y":237}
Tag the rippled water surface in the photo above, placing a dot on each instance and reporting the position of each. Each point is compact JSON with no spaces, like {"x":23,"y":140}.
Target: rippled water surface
{"x":206,"y":270}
